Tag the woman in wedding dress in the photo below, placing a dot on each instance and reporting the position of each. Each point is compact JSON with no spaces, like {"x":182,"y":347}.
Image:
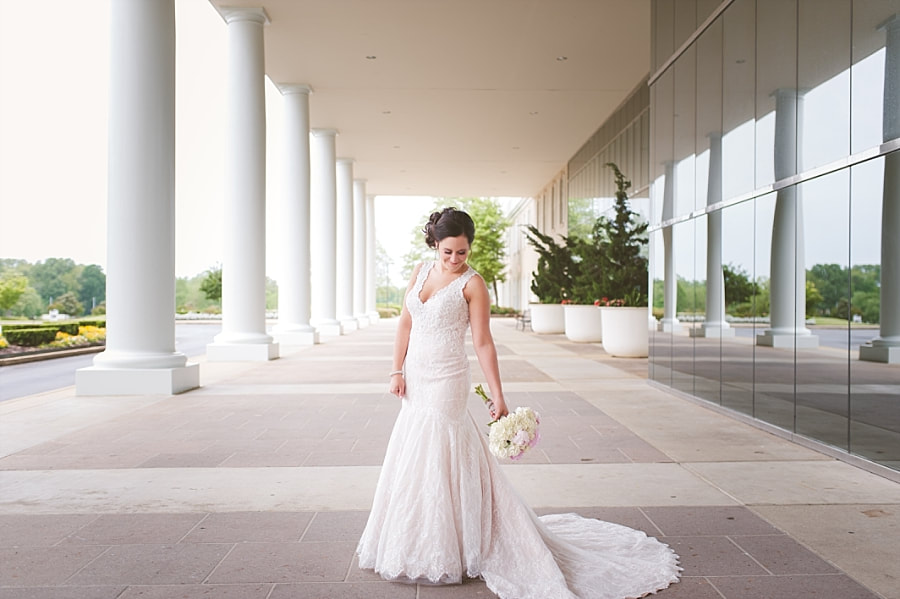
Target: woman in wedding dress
{"x":443,"y":510}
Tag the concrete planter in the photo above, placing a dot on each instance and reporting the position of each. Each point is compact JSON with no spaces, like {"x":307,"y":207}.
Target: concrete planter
{"x":625,"y":333}
{"x":583,"y":324}
{"x":547,"y":319}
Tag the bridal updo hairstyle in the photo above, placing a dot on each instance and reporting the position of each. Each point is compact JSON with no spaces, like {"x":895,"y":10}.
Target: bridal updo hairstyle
{"x":449,"y":222}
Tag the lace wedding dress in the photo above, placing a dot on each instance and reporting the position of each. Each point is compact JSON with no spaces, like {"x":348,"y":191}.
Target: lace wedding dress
{"x":444,"y":510}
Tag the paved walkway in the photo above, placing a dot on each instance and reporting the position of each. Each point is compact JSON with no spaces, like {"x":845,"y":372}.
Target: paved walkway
{"x":257,"y":485}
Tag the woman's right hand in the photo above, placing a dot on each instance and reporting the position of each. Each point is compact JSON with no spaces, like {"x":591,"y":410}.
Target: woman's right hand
{"x":398,"y":385}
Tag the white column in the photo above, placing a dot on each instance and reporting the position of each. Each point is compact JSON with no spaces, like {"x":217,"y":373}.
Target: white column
{"x":323,"y":215}
{"x":359,"y":252}
{"x":669,"y":323}
{"x":371,"y":252}
{"x":294,"y":290}
{"x":787,"y":302}
{"x":344,"y":240}
{"x":715,"y":324}
{"x":140,"y":356}
{"x":886,"y":347}
{"x":243,"y":335}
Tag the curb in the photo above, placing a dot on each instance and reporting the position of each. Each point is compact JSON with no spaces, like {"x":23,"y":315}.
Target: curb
{"x":49,"y":355}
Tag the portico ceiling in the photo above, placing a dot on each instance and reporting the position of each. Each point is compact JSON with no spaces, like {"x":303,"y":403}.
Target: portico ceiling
{"x":458,"y":97}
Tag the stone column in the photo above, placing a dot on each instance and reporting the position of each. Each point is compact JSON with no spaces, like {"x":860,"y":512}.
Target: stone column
{"x":669,"y":323}
{"x":294,"y":292}
{"x":243,"y":336}
{"x":323,"y":215}
{"x":371,"y":252}
{"x":344,"y":236}
{"x":787,"y":302}
{"x":140,"y":356}
{"x":359,"y":252}
{"x":886,"y":347}
{"x":715,"y":324}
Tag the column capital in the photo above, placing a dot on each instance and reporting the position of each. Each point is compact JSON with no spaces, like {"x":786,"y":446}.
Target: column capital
{"x":294,"y":88}
{"x":232,"y":14}
{"x":324,"y":132}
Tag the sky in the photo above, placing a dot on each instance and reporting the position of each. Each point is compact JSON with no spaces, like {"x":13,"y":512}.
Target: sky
{"x":53,"y":139}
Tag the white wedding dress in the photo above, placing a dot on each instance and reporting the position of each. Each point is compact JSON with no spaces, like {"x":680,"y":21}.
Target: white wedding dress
{"x":443,"y":510}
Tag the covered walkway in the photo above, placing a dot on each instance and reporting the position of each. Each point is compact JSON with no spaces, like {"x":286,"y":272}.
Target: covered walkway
{"x":257,"y":484}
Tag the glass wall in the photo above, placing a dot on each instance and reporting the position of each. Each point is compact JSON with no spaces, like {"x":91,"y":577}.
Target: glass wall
{"x":774,"y":172}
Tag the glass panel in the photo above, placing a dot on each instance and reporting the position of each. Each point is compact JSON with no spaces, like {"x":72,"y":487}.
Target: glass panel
{"x":823,"y":72}
{"x":874,"y":387}
{"x":773,"y":366}
{"x":707,"y":350}
{"x":709,"y":107}
{"x":868,"y":71}
{"x":682,"y":342}
{"x":685,"y":129}
{"x":739,"y":275}
{"x":776,"y":91}
{"x":739,"y":68}
{"x":662,"y":112}
{"x":822,"y":392}
{"x":660,"y":342}
{"x":663,"y":31}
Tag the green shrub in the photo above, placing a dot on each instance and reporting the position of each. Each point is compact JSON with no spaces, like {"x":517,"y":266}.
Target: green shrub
{"x":502,"y":311}
{"x":388,"y":312}
{"x":70,"y":328}
{"x":90,"y":322}
{"x":31,"y":337}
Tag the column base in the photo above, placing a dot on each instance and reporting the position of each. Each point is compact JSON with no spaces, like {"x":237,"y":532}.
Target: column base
{"x":787,"y":340}
{"x":241,"y":352}
{"x":348,"y":325}
{"x":95,"y":380}
{"x":669,"y":325}
{"x":712,"y":331}
{"x":362,"y":320}
{"x":329,"y":329}
{"x":310,"y":337}
{"x":373,"y":316}
{"x":886,"y":354}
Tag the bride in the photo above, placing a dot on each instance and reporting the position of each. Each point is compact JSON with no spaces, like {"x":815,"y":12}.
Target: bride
{"x":443,"y":509}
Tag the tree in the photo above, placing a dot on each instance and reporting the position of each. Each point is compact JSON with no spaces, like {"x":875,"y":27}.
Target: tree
{"x":93,"y":285}
{"x":212,"y":284}
{"x":813,"y":298}
{"x":738,"y":287}
{"x":68,"y":303}
{"x":488,"y":255}
{"x":271,"y":294}
{"x":552,"y":281}
{"x":12,"y":287}
{"x":29,"y":305}
{"x":54,"y":277}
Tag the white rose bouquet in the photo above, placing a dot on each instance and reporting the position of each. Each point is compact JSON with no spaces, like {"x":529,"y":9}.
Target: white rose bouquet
{"x":513,"y":434}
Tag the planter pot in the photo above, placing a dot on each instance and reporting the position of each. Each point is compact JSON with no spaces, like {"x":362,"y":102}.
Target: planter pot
{"x":625,"y":333}
{"x":547,"y":319}
{"x":583,"y":324}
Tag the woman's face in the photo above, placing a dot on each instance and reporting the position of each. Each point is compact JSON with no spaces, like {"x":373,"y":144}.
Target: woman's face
{"x":453,"y":253}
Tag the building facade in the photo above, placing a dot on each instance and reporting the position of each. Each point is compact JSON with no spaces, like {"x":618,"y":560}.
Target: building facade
{"x":764,"y":148}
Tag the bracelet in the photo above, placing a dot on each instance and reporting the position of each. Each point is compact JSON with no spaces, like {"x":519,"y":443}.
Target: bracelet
{"x":393,"y":372}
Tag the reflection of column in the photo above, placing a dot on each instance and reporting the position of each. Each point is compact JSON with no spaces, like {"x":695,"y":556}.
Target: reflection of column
{"x":359,"y":252}
{"x":371,"y":309}
{"x":294,"y":291}
{"x":140,"y":356}
{"x":243,"y":335}
{"x":669,"y":323}
{"x":323,"y":215}
{"x":886,"y":347}
{"x":715,"y":324}
{"x":344,"y":240}
{"x":787,"y":301}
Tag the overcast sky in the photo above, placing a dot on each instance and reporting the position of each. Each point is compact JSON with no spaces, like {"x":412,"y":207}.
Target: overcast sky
{"x":53,"y":137}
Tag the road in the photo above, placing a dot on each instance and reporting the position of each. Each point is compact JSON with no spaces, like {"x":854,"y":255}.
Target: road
{"x":20,"y":380}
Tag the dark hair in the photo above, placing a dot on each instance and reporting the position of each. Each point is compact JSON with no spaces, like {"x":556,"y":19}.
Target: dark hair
{"x":449,"y":222}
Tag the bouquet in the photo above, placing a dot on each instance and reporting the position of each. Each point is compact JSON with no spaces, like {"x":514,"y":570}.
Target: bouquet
{"x":513,"y":434}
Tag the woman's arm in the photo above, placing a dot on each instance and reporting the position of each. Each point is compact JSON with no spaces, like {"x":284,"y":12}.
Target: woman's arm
{"x":476,"y":294}
{"x":401,"y":342}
